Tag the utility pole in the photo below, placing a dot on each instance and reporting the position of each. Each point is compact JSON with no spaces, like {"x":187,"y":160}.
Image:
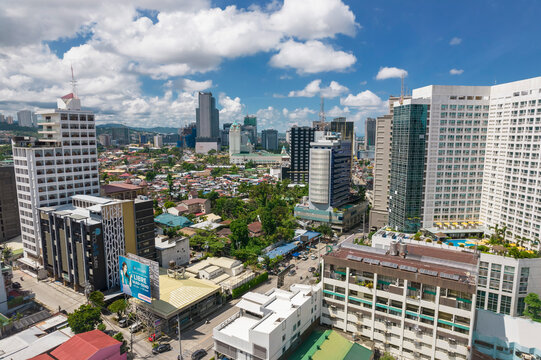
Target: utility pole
{"x":179,"y":340}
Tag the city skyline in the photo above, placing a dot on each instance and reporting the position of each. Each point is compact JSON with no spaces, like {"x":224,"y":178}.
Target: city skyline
{"x":255,"y":58}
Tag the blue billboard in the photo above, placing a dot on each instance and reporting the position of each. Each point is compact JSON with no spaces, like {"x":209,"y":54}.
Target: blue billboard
{"x":134,"y":279}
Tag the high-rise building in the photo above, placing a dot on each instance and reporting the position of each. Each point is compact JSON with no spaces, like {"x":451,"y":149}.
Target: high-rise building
{"x":407,"y":167}
{"x":225,"y":134}
{"x":105,"y":140}
{"x":369,"y":133}
{"x":158,"y":141}
{"x":25,"y":118}
{"x":49,"y":170}
{"x":121,"y":135}
{"x":207,"y":122}
{"x":346,"y":130}
{"x":2,"y":119}
{"x":9,"y":120}
{"x":330,"y":172}
{"x":269,"y":139}
{"x":234,"y":139}
{"x":300,"y":139}
{"x":250,"y":128}
{"x":9,"y":210}
{"x":187,"y":135}
{"x":82,"y":240}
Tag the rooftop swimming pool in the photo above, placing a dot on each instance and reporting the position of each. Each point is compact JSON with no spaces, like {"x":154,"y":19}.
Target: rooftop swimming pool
{"x":457,"y":242}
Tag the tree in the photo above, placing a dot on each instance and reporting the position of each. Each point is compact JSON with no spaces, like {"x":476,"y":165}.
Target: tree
{"x":325,"y":230}
{"x":119,"y":337}
{"x":387,"y":356}
{"x":150,"y":176}
{"x":7,"y":253}
{"x":96,"y":298}
{"x":169,"y":204}
{"x":239,"y":233}
{"x":84,"y":319}
{"x":268,"y":222}
{"x":102,"y":327}
{"x":118,"y":307}
{"x":533,"y":307}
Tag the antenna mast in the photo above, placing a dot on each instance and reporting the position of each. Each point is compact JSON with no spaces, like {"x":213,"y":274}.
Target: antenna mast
{"x":73,"y":84}
{"x":402,"y":89}
{"x":322,"y":111}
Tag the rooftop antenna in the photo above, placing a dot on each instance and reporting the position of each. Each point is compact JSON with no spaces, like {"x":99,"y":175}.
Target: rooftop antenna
{"x":322,"y":111}
{"x":402,"y":89}
{"x":73,"y":84}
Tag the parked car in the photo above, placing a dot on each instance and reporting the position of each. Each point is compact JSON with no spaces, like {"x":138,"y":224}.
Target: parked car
{"x":16,"y":285}
{"x":312,"y":269}
{"x":123,"y":322}
{"x":161,"y":348}
{"x":136,"y":327}
{"x":313,"y":257}
{"x":292,"y":272}
{"x":199,"y":354}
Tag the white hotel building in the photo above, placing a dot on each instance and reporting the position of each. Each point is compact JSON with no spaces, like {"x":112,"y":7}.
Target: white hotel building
{"x":481,"y":159}
{"x":49,"y":170}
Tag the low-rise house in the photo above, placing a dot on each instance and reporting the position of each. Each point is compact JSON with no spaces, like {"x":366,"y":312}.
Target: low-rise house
{"x":255,"y":229}
{"x":164,"y":221}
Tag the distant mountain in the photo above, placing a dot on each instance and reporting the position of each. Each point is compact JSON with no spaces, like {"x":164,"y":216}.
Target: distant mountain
{"x":157,"y":129}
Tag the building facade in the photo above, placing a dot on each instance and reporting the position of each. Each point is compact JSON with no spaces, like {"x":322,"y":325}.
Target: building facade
{"x":411,"y":302}
{"x":49,"y":170}
{"x":234,"y":139}
{"x":207,"y":123}
{"x":26,"y":118}
{"x":379,"y":214}
{"x":269,"y":139}
{"x":300,"y":139}
{"x":121,"y":135}
{"x":369,"y":133}
{"x":158,"y":141}
{"x":9,"y":209}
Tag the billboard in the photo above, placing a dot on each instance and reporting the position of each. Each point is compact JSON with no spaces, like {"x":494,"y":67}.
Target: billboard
{"x":154,"y":269}
{"x":134,"y":279}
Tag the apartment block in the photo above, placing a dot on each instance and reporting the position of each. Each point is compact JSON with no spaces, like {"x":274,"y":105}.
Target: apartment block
{"x":411,"y":301}
{"x":9,"y":210}
{"x":49,"y":170}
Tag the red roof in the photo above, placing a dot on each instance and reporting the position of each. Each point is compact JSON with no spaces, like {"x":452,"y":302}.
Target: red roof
{"x":119,"y":187}
{"x":69,"y":96}
{"x":42,"y":357}
{"x":83,"y":346}
{"x":255,"y":227}
{"x":194,"y":201}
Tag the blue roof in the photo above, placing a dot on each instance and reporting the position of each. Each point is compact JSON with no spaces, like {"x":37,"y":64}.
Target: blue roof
{"x":172,"y":220}
{"x":311,"y":235}
{"x":282,"y":250}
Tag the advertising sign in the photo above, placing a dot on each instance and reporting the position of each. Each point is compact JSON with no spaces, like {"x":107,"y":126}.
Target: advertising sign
{"x":134,"y":279}
{"x":154,"y":269}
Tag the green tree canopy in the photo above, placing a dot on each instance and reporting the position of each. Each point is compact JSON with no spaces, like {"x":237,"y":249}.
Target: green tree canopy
{"x":239,"y":232}
{"x":118,"y":307}
{"x":96,"y":298}
{"x":533,"y":307}
{"x":169,"y":204}
{"x":84,"y":319}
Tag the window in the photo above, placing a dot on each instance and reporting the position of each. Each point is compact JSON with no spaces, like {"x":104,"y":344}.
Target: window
{"x":492,"y":302}
{"x":505,"y":306}
{"x":495,"y":275}
{"x":508,"y":277}
{"x":481,"y":297}
{"x":523,"y":284}
{"x":520,"y":306}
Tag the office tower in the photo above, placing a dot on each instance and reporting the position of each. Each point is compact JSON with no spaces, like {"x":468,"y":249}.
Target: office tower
{"x":144,"y":228}
{"x":9,"y":210}
{"x":25,"y":118}
{"x":330,"y":172}
{"x":171,"y":139}
{"x":188,"y":135}
{"x":82,"y":240}
{"x":9,"y":120}
{"x":234,"y":139}
{"x":300,"y":139}
{"x":207,"y":122}
{"x":369,"y":133}
{"x":250,"y":128}
{"x":143,"y":139}
{"x":121,"y":135}
{"x":407,"y":167}
{"x":2,"y":119}
{"x":105,"y":140}
{"x":61,"y":163}
{"x":158,"y":141}
{"x":379,"y":214}
{"x":346,"y":130}
{"x":225,"y":134}
{"x":269,"y":139}
{"x":410,"y":301}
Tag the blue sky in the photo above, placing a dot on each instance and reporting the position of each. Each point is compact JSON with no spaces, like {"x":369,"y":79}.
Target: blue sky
{"x":142,"y":62}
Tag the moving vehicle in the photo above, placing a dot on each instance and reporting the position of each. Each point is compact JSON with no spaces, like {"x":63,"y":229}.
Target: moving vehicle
{"x":161,"y":348}
{"x":199,"y":354}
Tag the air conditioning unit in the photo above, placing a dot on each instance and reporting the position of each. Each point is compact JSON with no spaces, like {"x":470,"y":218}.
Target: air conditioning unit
{"x":452,"y":341}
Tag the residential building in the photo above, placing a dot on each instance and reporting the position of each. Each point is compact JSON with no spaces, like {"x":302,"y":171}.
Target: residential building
{"x":31,"y":342}
{"x":49,"y":170}
{"x":166,"y":220}
{"x":268,"y":325}
{"x":176,"y":250}
{"x":255,"y":229}
{"x":369,"y":133}
{"x":9,"y":120}
{"x":207,"y":122}
{"x":26,"y":118}
{"x":2,"y":119}
{"x":123,"y":191}
{"x":195,"y":206}
{"x":91,"y":345}
{"x":105,"y":140}
{"x":82,"y":240}
{"x":300,"y":139}
{"x":379,"y":214}
{"x":411,"y":301}
{"x":158,"y":141}
{"x":145,"y":228}
{"x":9,"y":209}
{"x":234,"y":139}
{"x":260,"y":158}
{"x":121,"y":134}
{"x":170,"y":139}
{"x":227,"y":273}
{"x":269,"y":139}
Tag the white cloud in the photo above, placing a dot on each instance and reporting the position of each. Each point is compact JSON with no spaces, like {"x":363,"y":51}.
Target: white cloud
{"x":313,"y":89}
{"x":365,"y":99}
{"x":269,"y":117}
{"x":390,"y":72}
{"x":456,"y":71}
{"x":192,"y":85}
{"x":311,"y":57}
{"x":232,"y":108}
{"x":363,"y":82}
{"x":337,"y":111}
{"x":455,"y":41}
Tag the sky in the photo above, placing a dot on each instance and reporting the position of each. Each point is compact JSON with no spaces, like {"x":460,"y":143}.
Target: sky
{"x":142,"y":62}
